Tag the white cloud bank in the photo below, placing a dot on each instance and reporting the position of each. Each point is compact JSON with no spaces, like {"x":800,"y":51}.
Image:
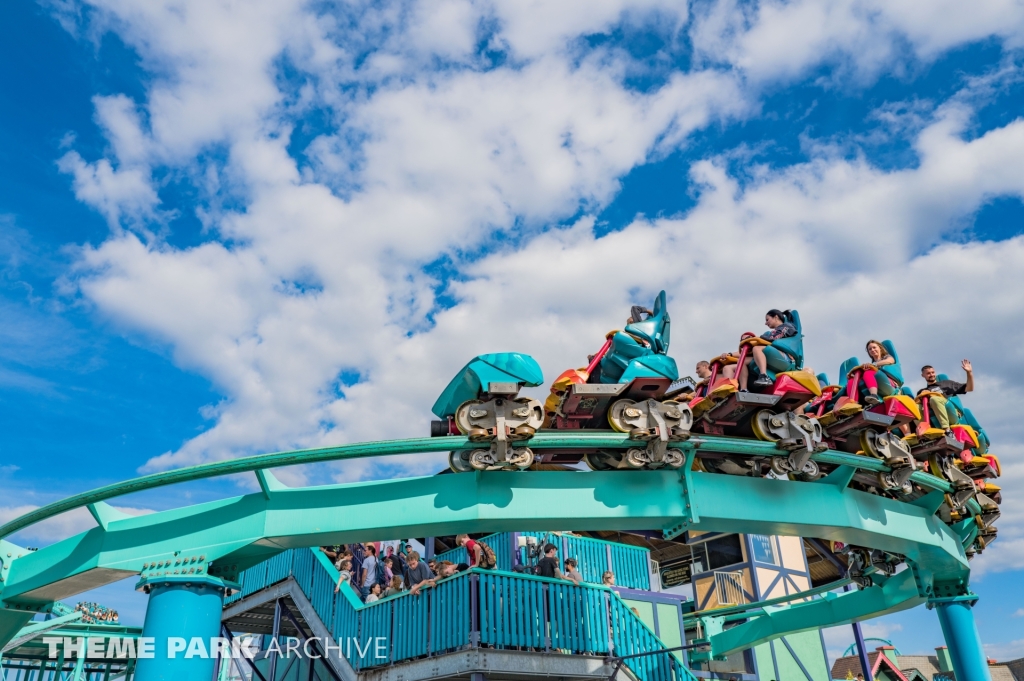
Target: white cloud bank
{"x":58,"y":527}
{"x":431,"y":152}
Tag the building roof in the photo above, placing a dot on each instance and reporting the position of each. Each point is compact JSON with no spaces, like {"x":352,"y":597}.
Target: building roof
{"x":928,"y":665}
{"x":919,"y":666}
{"x":1017,"y":667}
{"x":879,"y":663}
{"x":1001,"y":672}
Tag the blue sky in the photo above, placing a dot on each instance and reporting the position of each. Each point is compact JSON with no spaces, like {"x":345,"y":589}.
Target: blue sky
{"x":234,"y":229}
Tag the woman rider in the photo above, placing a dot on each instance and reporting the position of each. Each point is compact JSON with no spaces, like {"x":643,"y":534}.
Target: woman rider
{"x":768,"y":356}
{"x":873,"y":376}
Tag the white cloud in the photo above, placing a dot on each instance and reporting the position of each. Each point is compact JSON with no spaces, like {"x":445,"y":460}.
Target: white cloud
{"x":880,"y":629}
{"x":777,"y":40}
{"x":322,"y":274}
{"x":1005,"y":652}
{"x":56,"y":528}
{"x":535,"y":27}
{"x":120,"y":194}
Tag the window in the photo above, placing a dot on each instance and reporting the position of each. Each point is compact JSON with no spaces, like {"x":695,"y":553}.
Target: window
{"x":724,"y":551}
{"x":763,"y":549}
{"x":717,"y":553}
{"x":729,"y":586}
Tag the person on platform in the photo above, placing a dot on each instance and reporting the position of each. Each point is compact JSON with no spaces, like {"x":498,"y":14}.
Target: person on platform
{"x":417,"y":573}
{"x":548,"y":565}
{"x":571,"y":573}
{"x":369,"y":571}
{"x":344,"y":573}
{"x":473,"y":549}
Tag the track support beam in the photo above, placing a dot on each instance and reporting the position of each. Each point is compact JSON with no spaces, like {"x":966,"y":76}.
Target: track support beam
{"x":961,"y":634}
{"x":179,"y":612}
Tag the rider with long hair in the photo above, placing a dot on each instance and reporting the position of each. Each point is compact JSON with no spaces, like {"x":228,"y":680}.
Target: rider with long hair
{"x":780,"y":326}
{"x":873,"y":376}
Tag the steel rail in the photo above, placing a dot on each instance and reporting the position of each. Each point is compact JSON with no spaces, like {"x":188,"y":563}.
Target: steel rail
{"x":426,"y":445}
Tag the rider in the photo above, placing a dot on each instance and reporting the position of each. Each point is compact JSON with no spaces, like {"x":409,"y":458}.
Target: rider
{"x":945,"y":415}
{"x":874,"y":378}
{"x":766,"y":355}
{"x":703,"y":370}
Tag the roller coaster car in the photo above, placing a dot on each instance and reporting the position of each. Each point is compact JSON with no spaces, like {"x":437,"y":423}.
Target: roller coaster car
{"x":851,"y":427}
{"x":773,"y":414}
{"x":716,"y":387}
{"x":482,"y":402}
{"x":725,"y":410}
{"x":623,"y":387}
{"x":929,"y":437}
{"x":848,"y":415}
{"x":966,"y":489}
{"x":975,"y":523}
{"x":978,"y":467}
{"x":966,"y":417}
{"x":823,"y":403}
{"x":866,"y":565}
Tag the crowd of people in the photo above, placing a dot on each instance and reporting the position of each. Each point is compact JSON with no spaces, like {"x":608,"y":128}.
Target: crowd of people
{"x":376,"y":571}
{"x":93,"y":613}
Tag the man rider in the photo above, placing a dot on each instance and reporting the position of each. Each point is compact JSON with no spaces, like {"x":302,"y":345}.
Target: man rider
{"x":703,"y":370}
{"x":944,"y":413}
{"x":766,"y":355}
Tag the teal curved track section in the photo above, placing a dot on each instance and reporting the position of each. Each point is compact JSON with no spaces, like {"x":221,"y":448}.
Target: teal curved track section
{"x":217,"y":540}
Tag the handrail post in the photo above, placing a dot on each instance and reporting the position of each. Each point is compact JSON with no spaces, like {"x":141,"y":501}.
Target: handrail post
{"x":474,"y":618}
{"x":429,"y":610}
{"x":394,"y":629}
{"x":544,"y":591}
{"x":359,"y":639}
{"x":608,"y":623}
{"x":608,"y":557}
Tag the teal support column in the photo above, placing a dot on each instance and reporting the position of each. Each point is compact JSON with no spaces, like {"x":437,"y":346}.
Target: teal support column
{"x":961,"y":634}
{"x":79,"y":671}
{"x":182,"y":616}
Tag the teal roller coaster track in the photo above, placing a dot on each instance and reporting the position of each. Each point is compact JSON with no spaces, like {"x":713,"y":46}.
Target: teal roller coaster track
{"x":209,"y":544}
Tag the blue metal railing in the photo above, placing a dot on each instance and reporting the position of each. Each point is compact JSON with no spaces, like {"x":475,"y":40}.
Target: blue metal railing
{"x":489,"y":607}
{"x":631,"y":564}
{"x":501,"y":542}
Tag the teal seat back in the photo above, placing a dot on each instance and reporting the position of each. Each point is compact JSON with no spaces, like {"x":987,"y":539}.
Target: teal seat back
{"x":846,"y":367}
{"x":893,"y":371}
{"x":794,"y":345}
{"x":624,"y":350}
{"x":473,"y":379}
{"x":650,"y":366}
{"x":955,"y":399}
{"x":628,"y":358}
{"x":655,"y":329}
